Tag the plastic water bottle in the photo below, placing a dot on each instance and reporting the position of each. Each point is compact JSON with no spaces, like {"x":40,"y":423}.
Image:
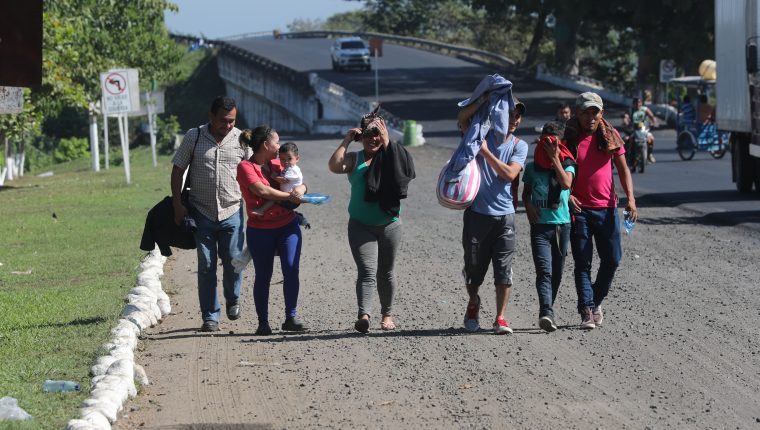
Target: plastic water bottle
{"x":51,"y":386}
{"x":628,"y":224}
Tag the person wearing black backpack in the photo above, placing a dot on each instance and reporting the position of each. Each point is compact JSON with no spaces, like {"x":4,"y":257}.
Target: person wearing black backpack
{"x":212,"y":153}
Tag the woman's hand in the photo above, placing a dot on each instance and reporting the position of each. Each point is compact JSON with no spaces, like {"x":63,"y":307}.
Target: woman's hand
{"x":351,"y":136}
{"x":280,"y":179}
{"x":380,"y":124}
{"x":295,"y":197}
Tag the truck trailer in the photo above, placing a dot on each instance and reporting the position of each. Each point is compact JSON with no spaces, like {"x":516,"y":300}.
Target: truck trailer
{"x":737,"y":54}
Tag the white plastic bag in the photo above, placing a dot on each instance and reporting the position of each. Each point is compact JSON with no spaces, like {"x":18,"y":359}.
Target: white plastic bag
{"x":9,"y":410}
{"x":241,"y":260}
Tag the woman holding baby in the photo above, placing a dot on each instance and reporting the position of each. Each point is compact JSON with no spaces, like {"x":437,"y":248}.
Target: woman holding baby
{"x":272,"y":228}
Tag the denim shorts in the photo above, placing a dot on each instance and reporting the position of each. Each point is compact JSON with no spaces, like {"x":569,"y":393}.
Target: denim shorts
{"x":488,"y":239}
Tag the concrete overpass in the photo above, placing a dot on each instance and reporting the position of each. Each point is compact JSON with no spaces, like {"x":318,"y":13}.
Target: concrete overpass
{"x":289,"y":83}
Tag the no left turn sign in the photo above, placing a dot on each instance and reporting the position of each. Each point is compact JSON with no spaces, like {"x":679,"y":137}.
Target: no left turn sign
{"x":115,"y":84}
{"x":121,"y":91}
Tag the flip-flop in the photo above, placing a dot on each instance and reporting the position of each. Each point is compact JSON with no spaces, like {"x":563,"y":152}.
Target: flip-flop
{"x":361,"y":325}
{"x":390,"y":325}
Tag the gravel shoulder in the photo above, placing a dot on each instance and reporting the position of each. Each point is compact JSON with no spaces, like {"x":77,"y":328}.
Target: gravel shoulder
{"x":678,"y":347}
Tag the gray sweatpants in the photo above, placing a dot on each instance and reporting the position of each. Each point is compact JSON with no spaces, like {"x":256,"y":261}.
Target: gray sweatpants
{"x":374,"y":250}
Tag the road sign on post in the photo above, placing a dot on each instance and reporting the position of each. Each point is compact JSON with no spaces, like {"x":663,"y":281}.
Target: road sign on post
{"x":376,"y":46}
{"x":121,"y":91}
{"x":121,"y":96}
{"x":152,"y":103}
{"x":11,"y":100}
{"x":667,"y":71}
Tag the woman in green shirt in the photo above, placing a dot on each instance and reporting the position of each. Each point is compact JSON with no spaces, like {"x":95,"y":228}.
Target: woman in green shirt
{"x":374,"y":235}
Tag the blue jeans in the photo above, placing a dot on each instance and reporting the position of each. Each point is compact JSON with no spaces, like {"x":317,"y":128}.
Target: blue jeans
{"x":603,"y":226}
{"x":549,"y":245}
{"x":225,"y":239}
{"x":262,"y":243}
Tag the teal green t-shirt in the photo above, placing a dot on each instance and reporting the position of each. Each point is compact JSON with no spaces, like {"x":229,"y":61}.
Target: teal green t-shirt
{"x":369,"y":213}
{"x":539,"y":182}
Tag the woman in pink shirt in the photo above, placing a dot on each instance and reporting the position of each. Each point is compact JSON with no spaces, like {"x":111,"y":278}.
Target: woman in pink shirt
{"x":277,"y":229}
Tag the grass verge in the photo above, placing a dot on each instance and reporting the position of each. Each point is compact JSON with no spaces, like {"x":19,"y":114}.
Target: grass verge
{"x":63,"y":279}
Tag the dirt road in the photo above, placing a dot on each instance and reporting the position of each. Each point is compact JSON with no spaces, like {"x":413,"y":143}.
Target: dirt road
{"x":678,"y":349}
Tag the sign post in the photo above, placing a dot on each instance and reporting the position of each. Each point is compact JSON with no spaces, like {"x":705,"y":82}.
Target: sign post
{"x":151,"y":104}
{"x":667,"y":72}
{"x":105,"y":134}
{"x":121,"y":96}
{"x":376,"y":46}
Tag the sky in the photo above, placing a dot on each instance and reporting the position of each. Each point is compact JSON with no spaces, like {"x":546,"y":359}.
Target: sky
{"x":222,"y":18}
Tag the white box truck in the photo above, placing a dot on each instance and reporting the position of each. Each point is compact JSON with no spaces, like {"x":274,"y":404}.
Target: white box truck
{"x":737,"y":54}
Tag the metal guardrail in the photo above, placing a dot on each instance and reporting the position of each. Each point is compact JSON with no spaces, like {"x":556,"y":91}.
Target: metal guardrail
{"x":358,"y":105}
{"x":330,"y":89}
{"x":414,"y":42}
{"x":249,"y":35}
{"x":298,"y":79}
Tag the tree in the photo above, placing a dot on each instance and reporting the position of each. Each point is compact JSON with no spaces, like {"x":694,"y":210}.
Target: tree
{"x":452,"y":21}
{"x":682,"y":30}
{"x":347,"y":21}
{"x":83,"y":38}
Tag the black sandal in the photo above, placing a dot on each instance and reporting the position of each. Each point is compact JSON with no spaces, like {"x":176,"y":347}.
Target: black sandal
{"x":361,"y":325}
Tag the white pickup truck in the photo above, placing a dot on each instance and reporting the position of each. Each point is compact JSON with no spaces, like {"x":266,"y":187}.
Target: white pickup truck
{"x":348,"y":52}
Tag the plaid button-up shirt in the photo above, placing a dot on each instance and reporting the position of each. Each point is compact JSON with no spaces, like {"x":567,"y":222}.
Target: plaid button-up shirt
{"x":215,"y":192}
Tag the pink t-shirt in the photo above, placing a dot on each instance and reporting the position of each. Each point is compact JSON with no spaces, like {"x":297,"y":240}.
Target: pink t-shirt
{"x":593,"y":186}
{"x":276,"y":216}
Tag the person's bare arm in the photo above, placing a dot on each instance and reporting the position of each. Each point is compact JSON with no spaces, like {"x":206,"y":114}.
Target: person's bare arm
{"x":176,"y":186}
{"x":530,"y":210}
{"x":505,"y":171}
{"x":564,"y":178}
{"x":341,"y":161}
{"x":465,"y":115}
{"x":515,"y":187}
{"x":652,"y":118}
{"x":268,"y":193}
{"x":627,"y":183}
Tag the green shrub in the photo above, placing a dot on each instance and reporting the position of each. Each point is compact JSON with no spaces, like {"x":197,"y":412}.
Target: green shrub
{"x":73,"y":148}
{"x":167,"y":128}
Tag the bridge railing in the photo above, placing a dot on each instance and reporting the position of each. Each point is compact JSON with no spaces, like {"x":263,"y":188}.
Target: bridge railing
{"x":353,"y":104}
{"x":414,"y":42}
{"x":281,"y":71}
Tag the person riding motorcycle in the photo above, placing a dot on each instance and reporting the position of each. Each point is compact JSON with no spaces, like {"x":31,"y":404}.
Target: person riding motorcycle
{"x":641,"y":114}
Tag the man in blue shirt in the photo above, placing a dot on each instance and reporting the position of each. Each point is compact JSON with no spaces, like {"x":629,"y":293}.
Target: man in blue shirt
{"x":489,"y":223}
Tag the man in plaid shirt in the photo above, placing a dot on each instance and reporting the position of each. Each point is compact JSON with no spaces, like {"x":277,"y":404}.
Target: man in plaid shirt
{"x":212,"y":152}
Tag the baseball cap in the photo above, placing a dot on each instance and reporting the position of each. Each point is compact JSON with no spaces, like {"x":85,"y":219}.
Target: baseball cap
{"x":519,"y":106}
{"x":589,"y":99}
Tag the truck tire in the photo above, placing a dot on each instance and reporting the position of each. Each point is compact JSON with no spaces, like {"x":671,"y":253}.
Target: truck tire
{"x":742,"y":165}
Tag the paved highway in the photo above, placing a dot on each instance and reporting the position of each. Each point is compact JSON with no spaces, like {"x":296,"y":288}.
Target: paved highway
{"x":425,"y":87}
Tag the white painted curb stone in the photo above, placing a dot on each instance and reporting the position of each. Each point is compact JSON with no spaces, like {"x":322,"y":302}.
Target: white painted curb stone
{"x":114,"y":374}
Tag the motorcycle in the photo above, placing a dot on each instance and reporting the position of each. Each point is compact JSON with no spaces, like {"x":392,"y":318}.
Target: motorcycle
{"x":639,"y":145}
